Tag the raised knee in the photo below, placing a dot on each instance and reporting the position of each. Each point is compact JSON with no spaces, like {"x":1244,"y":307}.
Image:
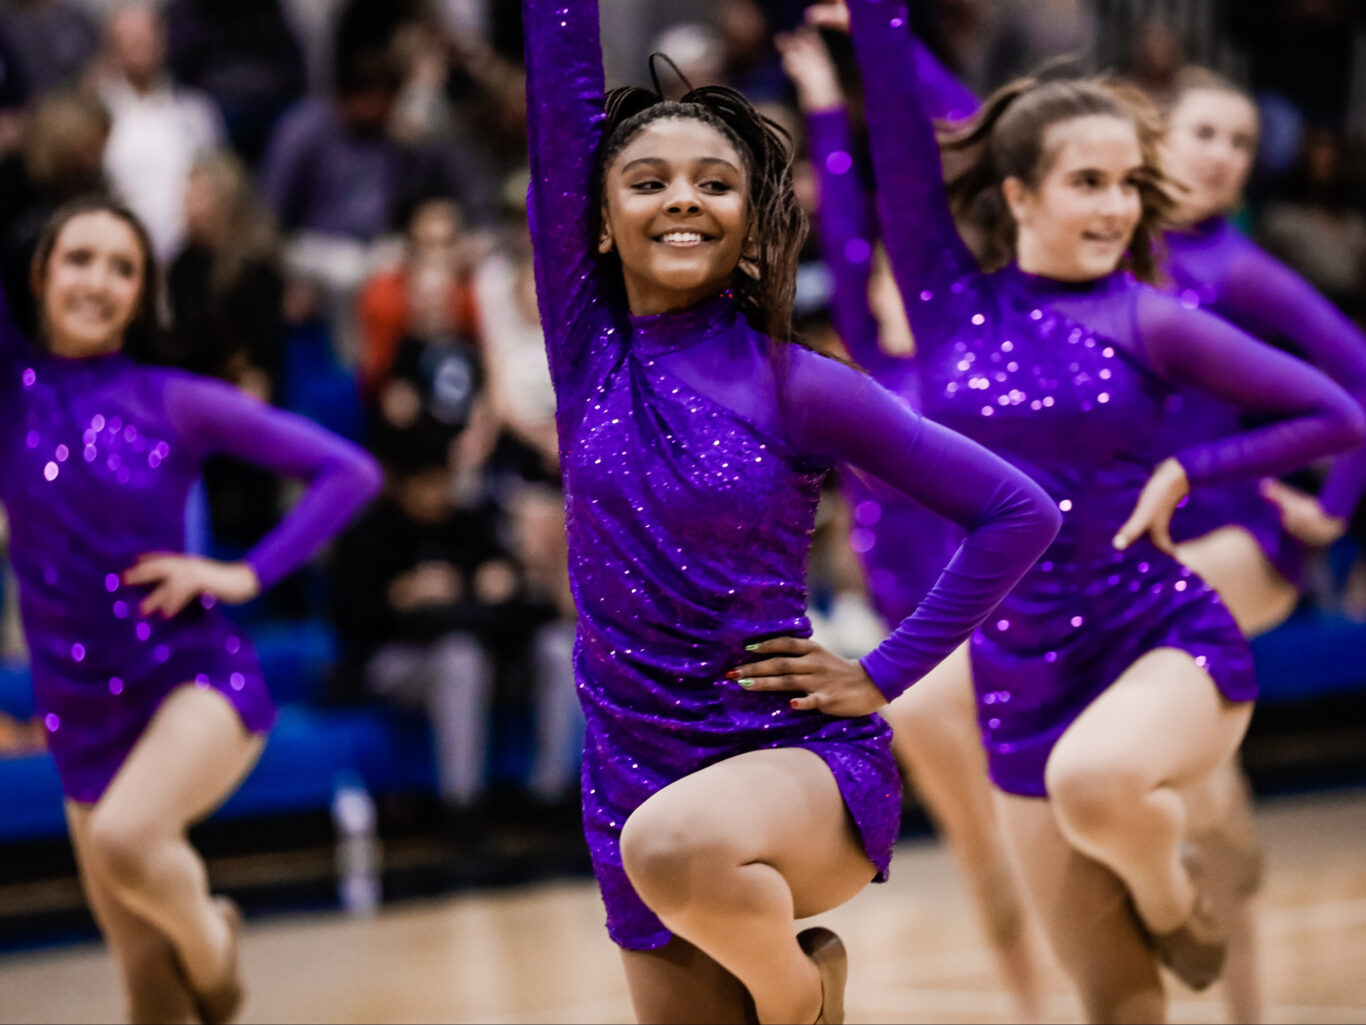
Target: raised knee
{"x":119,"y":851}
{"x":666,"y":861}
{"x":1088,"y":796}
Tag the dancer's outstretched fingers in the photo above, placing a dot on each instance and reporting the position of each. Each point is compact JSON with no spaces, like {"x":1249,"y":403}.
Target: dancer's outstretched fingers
{"x":149,"y":569}
{"x":1152,"y":512}
{"x":789,"y":660}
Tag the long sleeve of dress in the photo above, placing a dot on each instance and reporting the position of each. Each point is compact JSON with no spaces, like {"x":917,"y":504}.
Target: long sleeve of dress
{"x":846,"y":234}
{"x":944,"y":96}
{"x":834,"y":413}
{"x":215,"y":418}
{"x":926,"y":253}
{"x":1275,"y":302}
{"x":1315,"y":417}
{"x":564,"y":94}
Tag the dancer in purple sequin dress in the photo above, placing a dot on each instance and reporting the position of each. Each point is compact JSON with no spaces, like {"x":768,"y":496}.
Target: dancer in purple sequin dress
{"x":1112,"y":676}
{"x":1262,"y":530}
{"x":934,"y":725}
{"x":717,"y":805}
{"x":153,"y":701}
{"x":1246,"y":540}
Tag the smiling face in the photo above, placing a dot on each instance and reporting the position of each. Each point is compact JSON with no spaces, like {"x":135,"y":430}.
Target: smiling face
{"x":91,"y":285}
{"x":676,"y":210}
{"x":1079,"y":221}
{"x":1209,"y":149}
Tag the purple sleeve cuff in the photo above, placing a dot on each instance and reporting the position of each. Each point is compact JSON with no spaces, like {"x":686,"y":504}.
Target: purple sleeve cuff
{"x":885,"y":674}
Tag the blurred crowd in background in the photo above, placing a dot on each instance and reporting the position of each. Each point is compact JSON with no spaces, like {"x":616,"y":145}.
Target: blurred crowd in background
{"x":336,"y":189}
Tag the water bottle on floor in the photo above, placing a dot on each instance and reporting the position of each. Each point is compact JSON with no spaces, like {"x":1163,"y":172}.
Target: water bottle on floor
{"x":358,"y":849}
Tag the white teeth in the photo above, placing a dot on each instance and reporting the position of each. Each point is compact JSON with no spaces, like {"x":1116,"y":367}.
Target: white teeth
{"x":680,"y":237}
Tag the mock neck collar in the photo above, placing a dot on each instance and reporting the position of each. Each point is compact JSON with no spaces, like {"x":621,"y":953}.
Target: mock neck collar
{"x":1211,"y":229}
{"x":1044,"y":287}
{"x":678,"y":329}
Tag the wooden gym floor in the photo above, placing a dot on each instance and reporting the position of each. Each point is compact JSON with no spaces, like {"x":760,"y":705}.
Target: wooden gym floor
{"x":539,"y":954}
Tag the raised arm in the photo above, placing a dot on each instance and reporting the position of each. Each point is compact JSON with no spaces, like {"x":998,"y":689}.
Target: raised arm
{"x":944,"y":96}
{"x":917,"y":225}
{"x":1314,"y":417}
{"x":564,"y":96}
{"x":844,"y":216}
{"x":836,"y":414}
{"x":846,"y":236}
{"x":1274,"y":302}
{"x":216,"y":418}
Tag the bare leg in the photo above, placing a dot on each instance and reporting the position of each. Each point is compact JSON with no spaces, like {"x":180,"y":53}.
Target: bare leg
{"x":937,"y":737}
{"x":677,"y":984}
{"x":1087,"y":916}
{"x":153,"y":986}
{"x":729,"y":856}
{"x":1259,"y":598}
{"x":191,"y":756}
{"x":1114,"y":776}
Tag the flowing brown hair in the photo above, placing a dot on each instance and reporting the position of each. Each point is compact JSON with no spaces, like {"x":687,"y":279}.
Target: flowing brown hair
{"x":1007,"y":138}
{"x":765,"y":280}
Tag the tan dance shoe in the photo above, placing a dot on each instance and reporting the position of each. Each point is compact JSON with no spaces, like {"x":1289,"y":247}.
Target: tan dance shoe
{"x":220,"y":1004}
{"x":827,"y":951}
{"x":1196,"y":949}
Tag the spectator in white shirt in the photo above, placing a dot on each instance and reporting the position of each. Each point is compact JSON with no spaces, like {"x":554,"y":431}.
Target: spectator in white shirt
{"x":159,"y":128}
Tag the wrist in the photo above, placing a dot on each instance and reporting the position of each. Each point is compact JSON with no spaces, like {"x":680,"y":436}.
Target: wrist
{"x":820,"y":101}
{"x":251,"y":580}
{"x":882,"y":674}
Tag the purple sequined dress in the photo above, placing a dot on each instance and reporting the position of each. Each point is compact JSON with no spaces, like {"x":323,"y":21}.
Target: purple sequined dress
{"x":693,"y":450}
{"x":1216,"y":267}
{"x":97,"y":457}
{"x":1068,"y":382}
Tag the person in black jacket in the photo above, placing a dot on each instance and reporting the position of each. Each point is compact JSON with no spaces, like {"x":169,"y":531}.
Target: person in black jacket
{"x":428,"y":599}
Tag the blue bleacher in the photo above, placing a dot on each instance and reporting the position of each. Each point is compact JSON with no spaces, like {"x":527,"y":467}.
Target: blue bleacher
{"x":1311,"y":655}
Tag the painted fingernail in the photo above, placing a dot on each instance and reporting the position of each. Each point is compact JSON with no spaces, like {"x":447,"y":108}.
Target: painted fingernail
{"x":751,"y":647}
{"x":746,"y":682}
{"x":794,"y":705}
{"x":733,"y":674}
{"x":1121,"y":544}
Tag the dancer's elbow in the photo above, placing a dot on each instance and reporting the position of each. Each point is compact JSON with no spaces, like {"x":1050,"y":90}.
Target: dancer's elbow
{"x":1348,"y":421}
{"x":364,"y":476}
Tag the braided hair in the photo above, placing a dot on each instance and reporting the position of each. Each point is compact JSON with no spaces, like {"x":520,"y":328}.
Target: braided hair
{"x":765,"y":280}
